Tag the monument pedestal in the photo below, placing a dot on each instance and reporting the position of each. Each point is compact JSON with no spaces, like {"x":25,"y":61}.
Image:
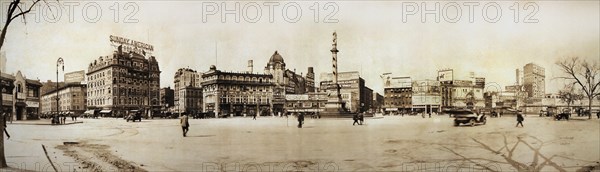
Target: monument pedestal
{"x":335,"y":107}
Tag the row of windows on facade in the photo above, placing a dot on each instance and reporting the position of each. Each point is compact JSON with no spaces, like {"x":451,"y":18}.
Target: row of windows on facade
{"x":192,"y":93}
{"x":305,"y":105}
{"x":399,"y":103}
{"x":123,"y":91}
{"x":119,"y":72}
{"x":398,"y":96}
{"x":135,"y":82}
{"x":31,"y":92}
{"x":122,"y":101}
{"x":240,"y":78}
{"x":238,"y":88}
{"x":64,"y":101}
{"x":62,"y":108}
{"x":107,"y":61}
{"x":226,"y":99}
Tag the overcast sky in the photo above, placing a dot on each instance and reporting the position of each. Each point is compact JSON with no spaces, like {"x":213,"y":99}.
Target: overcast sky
{"x":372,"y":37}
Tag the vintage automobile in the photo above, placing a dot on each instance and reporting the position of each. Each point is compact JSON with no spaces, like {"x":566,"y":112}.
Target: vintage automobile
{"x":134,"y":115}
{"x":466,"y":116}
{"x":564,"y":115}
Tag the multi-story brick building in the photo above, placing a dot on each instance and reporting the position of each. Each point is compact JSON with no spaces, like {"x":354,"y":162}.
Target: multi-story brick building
{"x":123,"y":81}
{"x":356,"y":96}
{"x":397,"y":94}
{"x":534,"y":81}
{"x":238,"y":94}
{"x":72,"y":100}
{"x":187,"y":85}
{"x":167,"y":98}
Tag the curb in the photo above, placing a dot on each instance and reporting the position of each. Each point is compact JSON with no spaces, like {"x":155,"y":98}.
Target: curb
{"x":18,"y":123}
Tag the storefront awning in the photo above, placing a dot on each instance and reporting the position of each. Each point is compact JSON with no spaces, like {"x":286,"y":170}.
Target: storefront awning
{"x":391,"y":109}
{"x":89,"y":112}
{"x":105,"y":111}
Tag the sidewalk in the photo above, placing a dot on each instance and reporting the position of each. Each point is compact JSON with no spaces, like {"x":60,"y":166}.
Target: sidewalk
{"x":40,"y":122}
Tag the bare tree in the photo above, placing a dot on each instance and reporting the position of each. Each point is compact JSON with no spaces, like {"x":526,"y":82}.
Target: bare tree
{"x":16,"y":9}
{"x":569,"y":95}
{"x":584,"y":74}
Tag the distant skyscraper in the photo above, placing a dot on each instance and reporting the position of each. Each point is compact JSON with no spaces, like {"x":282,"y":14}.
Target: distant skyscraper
{"x":187,"y":90}
{"x":534,"y":80}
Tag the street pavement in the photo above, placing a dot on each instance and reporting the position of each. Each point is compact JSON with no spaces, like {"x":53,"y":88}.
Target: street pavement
{"x":389,"y":143}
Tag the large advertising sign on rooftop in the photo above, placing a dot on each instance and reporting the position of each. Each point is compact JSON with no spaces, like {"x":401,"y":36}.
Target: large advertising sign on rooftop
{"x":131,"y":45}
{"x":446,"y":75}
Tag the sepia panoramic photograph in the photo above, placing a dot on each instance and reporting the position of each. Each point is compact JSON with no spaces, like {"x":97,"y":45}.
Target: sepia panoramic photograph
{"x":351,"y":85}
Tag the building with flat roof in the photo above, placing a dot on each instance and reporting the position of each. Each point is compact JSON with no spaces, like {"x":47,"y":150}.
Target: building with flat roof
{"x":356,"y":96}
{"x":167,"y":98}
{"x":188,"y":91}
{"x":238,"y":94}
{"x":72,"y":100}
{"x":426,"y":96}
{"x":534,"y":81}
{"x":397,"y":94}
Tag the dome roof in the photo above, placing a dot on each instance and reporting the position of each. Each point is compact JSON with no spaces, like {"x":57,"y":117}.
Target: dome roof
{"x":276,"y":58}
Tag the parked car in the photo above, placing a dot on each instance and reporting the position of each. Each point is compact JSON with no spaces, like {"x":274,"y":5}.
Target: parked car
{"x":564,"y":115}
{"x":133,"y":116}
{"x":465,"y":116}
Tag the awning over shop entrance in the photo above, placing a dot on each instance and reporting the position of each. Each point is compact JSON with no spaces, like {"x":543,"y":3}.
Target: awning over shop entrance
{"x":105,"y":111}
{"x":89,"y":112}
{"x":391,"y":109}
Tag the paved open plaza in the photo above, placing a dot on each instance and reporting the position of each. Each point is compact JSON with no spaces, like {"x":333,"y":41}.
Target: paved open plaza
{"x":389,"y":143}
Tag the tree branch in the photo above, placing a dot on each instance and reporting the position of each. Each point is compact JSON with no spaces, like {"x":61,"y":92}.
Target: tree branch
{"x":24,"y":12}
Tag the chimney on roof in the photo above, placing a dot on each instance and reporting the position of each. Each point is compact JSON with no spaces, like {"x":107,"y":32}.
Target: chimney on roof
{"x":250,"y":66}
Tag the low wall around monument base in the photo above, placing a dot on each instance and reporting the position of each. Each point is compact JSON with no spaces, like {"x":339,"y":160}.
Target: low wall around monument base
{"x":342,"y":114}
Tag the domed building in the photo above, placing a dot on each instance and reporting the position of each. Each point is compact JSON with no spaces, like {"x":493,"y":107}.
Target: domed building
{"x":292,"y":82}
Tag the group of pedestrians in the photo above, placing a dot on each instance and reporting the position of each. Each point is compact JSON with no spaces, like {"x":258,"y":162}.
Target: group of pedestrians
{"x":358,"y":119}
{"x":59,"y":119}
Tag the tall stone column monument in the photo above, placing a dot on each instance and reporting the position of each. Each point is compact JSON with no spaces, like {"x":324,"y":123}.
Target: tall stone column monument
{"x":334,"y":106}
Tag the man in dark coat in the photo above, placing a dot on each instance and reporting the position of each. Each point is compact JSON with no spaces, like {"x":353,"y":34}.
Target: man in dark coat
{"x":184,"y":124}
{"x":361,"y":118}
{"x":355,"y":118}
{"x":520,"y":119}
{"x":300,"y":120}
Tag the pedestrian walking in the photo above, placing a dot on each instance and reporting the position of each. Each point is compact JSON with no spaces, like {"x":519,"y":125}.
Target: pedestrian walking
{"x":4,"y":115}
{"x":361,"y":118}
{"x":355,"y":118}
{"x":254,"y":116}
{"x":185,"y":125}
{"x":598,"y":114}
{"x":429,"y":113}
{"x":300,"y":120}
{"x":520,"y":119}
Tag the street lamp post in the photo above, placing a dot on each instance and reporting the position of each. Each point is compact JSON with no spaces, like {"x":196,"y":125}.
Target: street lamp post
{"x":59,"y":62}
